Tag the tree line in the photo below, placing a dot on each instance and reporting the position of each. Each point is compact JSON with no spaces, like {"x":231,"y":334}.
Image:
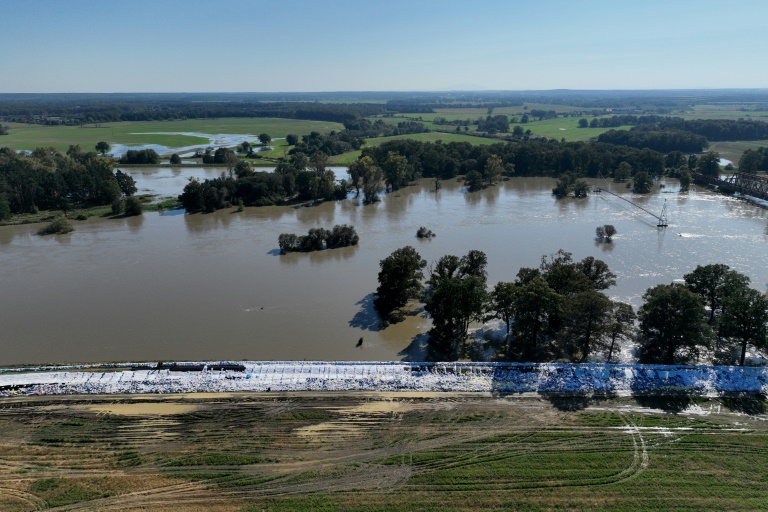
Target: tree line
{"x":396,"y":163}
{"x":49,"y":180}
{"x":754,"y":160}
{"x":94,"y":111}
{"x":663,"y":141}
{"x":559,"y":311}
{"x":719,"y":129}
{"x":318,"y":239}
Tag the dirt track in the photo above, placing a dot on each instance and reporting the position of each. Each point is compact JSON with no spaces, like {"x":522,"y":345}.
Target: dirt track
{"x":229,"y":451}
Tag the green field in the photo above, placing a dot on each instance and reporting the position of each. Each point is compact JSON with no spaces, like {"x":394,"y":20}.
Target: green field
{"x":733,"y":150}
{"x":30,"y":136}
{"x":725,"y":111}
{"x":248,"y":452}
{"x":560,"y":128}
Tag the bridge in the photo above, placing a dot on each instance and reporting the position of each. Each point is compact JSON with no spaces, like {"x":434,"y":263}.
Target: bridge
{"x":743,"y":183}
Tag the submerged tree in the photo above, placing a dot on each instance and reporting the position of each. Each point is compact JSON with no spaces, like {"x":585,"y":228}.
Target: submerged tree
{"x":605,"y":232}
{"x":455,"y":297}
{"x":745,"y":319}
{"x":672,"y":326}
{"x":715,"y":282}
{"x":399,"y":280}
{"x":641,"y":184}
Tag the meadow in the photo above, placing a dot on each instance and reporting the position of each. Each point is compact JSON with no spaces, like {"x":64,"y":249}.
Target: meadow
{"x":30,"y":136}
{"x":383,"y":451}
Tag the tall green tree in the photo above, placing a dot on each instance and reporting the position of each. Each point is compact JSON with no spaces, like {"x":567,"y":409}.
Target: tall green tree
{"x":745,"y":319}
{"x":641,"y":183}
{"x":265,"y":138}
{"x":396,"y":170}
{"x":622,"y":325}
{"x":709,"y":163}
{"x":535,"y":304}
{"x":492,"y":170}
{"x":588,"y":322}
{"x":502,"y":302}
{"x":672,"y":326}
{"x":126,"y":183}
{"x":714,"y":283}
{"x":455,"y":297}
{"x":751,"y":161}
{"x":102,"y":147}
{"x":399,"y":280}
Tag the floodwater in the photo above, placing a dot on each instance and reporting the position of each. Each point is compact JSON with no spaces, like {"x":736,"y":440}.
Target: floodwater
{"x":192,"y":287}
{"x":214,"y":140}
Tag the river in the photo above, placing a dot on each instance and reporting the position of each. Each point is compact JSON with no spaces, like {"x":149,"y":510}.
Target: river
{"x":196,"y":287}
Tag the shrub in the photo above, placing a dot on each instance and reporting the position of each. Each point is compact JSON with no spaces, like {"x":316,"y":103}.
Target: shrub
{"x":133,"y":207}
{"x":59,"y":226}
{"x":423,"y":232}
{"x":117,"y":207}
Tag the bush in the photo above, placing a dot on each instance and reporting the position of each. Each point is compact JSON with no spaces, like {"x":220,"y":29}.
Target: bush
{"x":133,"y":207}
{"x":117,"y":207}
{"x":59,"y":226}
{"x":424,"y":233}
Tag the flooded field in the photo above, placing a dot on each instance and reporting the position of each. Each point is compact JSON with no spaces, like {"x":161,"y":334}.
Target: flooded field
{"x":194,"y":287}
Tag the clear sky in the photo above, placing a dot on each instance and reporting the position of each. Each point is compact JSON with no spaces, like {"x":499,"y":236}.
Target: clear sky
{"x":349,"y":45}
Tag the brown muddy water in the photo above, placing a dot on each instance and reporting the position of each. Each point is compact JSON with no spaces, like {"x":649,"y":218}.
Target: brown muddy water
{"x":191,"y":287}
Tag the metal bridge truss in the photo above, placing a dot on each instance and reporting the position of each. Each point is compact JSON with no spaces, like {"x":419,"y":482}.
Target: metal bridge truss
{"x":743,"y":183}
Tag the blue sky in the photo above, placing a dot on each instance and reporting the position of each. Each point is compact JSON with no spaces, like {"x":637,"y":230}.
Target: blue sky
{"x":238,"y":45}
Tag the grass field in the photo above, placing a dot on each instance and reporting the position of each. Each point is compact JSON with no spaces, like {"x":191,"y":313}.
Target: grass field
{"x":733,"y":150}
{"x":725,"y":111}
{"x":30,"y":136}
{"x":377,"y":452}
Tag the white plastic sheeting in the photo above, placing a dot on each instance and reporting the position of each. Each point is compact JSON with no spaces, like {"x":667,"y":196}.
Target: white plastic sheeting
{"x":383,"y":376}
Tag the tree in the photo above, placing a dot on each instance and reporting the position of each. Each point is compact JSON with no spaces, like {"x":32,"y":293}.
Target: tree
{"x":714,"y":283}
{"x":474,"y":181}
{"x":583,"y":123}
{"x":492,"y":170}
{"x":126,"y":183}
{"x":102,"y":147}
{"x":396,"y":170}
{"x":622,"y":324}
{"x":245,"y":147}
{"x":265,"y":139}
{"x":672,"y":326}
{"x":288,"y":242}
{"x":535,"y":303}
{"x":502,"y":302}
{"x":133,"y":207}
{"x":3,"y":130}
{"x":455,"y":296}
{"x":399,"y":280}
{"x":685,"y":180}
{"x":365,"y":174}
{"x":751,"y":161}
{"x":318,"y":162}
{"x":745,"y":318}
{"x":605,"y":232}
{"x":709,"y":164}
{"x":453,"y":303}
{"x":291,"y":139}
{"x":175,"y":159}
{"x":588,"y":315}
{"x":641,"y":184}
{"x":622,"y":172}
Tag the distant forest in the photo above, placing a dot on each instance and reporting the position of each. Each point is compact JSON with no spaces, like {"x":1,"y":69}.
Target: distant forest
{"x":82,"y":108}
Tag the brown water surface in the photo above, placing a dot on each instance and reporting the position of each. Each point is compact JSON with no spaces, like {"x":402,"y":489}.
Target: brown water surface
{"x":191,"y":287}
